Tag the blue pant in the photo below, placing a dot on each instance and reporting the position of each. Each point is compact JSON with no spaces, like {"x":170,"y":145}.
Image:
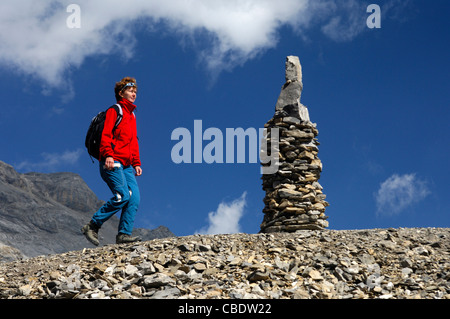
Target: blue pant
{"x":122,"y":182}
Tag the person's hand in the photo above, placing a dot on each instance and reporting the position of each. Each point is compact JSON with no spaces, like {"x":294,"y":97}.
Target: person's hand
{"x":109,"y":163}
{"x":138,"y":170}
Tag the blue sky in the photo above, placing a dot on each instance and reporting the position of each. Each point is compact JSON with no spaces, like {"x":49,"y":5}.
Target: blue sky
{"x":379,"y":97}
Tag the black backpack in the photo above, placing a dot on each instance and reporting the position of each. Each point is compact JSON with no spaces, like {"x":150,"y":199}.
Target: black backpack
{"x":94,"y":133}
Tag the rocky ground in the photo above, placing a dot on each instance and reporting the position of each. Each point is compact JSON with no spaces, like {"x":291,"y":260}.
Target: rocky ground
{"x":404,"y":263}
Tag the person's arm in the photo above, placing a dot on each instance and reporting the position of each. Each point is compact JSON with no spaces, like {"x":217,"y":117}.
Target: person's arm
{"x":135,"y":156}
{"x":106,"y":144}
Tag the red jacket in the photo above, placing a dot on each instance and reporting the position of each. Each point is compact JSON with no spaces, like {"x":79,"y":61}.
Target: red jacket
{"x":123,"y":146}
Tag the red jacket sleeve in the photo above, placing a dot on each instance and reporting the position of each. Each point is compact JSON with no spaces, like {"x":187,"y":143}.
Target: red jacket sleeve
{"x":106,"y":145}
{"x":135,"y":157}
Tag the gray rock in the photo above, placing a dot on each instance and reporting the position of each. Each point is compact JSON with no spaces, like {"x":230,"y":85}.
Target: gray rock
{"x":288,"y":104}
{"x":8,"y":253}
{"x":157,"y":280}
{"x":167,"y":293}
{"x":347,"y":265}
{"x":293,"y":69}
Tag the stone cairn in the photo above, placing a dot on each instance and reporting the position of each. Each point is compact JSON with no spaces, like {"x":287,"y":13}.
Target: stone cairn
{"x":294,"y":198}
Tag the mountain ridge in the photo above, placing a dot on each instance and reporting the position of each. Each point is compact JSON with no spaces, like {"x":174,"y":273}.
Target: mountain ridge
{"x":42,"y":214}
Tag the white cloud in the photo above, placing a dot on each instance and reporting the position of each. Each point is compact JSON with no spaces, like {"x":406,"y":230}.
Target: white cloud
{"x":36,"y":40}
{"x":225,"y":220}
{"x":348,"y":20}
{"x":50,"y":162}
{"x":400,"y":192}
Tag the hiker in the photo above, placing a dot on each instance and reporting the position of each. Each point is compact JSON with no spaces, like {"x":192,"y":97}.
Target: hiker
{"x":119,"y":164}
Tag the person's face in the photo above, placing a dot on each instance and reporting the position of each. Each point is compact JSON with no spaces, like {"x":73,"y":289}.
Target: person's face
{"x":129,"y":94}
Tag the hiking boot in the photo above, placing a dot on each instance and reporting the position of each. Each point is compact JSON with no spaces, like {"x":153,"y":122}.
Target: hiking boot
{"x":90,"y":231}
{"x":125,"y":238}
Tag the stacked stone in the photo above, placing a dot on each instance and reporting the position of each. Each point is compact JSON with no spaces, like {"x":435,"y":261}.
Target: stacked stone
{"x":294,"y":199}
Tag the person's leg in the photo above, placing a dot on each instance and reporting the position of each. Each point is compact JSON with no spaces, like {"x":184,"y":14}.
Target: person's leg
{"x":117,"y":183}
{"x":129,"y":210}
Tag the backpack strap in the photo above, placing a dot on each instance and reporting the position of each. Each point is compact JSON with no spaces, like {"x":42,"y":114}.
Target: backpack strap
{"x":119,"y":111}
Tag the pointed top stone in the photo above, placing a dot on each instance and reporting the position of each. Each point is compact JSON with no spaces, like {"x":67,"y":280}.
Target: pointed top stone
{"x":288,"y":103}
{"x":293,"y":69}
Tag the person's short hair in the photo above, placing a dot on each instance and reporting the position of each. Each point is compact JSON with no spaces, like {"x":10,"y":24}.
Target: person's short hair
{"x":124,"y":83}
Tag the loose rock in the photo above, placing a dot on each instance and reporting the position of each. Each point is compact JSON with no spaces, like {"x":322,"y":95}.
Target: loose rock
{"x":312,"y":264}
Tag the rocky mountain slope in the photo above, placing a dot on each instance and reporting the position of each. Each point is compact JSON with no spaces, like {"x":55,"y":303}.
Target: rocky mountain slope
{"x":405,"y":263}
{"x":42,"y":214}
